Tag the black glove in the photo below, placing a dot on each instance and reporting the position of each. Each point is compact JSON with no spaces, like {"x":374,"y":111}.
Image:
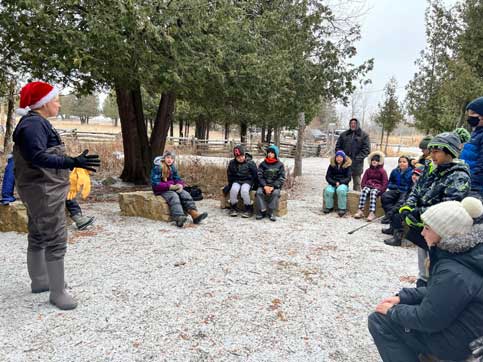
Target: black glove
{"x":477,"y":348}
{"x":84,"y":160}
{"x":415,"y":216}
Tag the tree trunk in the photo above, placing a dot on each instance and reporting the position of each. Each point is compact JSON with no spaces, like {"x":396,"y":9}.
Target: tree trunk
{"x":263,"y":134}
{"x":180,"y":128}
{"x":387,"y":141}
{"x":207,"y":137}
{"x":269,"y":135}
{"x":116,"y":120}
{"x":171,"y":126}
{"x":300,"y":143}
{"x":227,"y":131}
{"x":276,"y":136}
{"x":200,"y":128}
{"x":137,"y":155}
{"x":162,"y":122}
{"x":87,"y":119}
{"x":382,"y":137}
{"x":243,"y":132}
{"x":7,"y":142}
{"x":187,"y":128}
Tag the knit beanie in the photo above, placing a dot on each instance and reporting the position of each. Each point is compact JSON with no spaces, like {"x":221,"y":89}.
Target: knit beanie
{"x":239,"y":150}
{"x":463,"y":134}
{"x":476,"y":105}
{"x":341,"y":153}
{"x":34,"y":95}
{"x":446,"y":141}
{"x":424,"y":142}
{"x":452,"y":218}
{"x":418,"y":170}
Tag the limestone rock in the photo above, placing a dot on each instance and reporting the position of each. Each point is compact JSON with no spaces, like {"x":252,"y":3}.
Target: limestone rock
{"x":144,"y":204}
{"x":282,"y":205}
{"x":13,"y":217}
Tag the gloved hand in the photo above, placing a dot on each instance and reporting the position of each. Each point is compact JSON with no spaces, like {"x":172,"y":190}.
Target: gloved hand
{"x":180,"y":188}
{"x":174,"y":187}
{"x":84,"y":160}
{"x":414,"y":216}
{"x":477,"y":349}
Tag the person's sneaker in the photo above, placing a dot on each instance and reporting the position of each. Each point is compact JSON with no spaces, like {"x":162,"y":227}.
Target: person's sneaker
{"x":233,"y":211}
{"x":341,"y":212}
{"x":180,"y":220}
{"x":371,"y":216}
{"x":248,"y":211}
{"x":83,"y":221}
{"x":260,"y":215}
{"x":386,"y":219}
{"x":421,"y":283}
{"x":327,"y":210}
{"x":359,"y":214}
{"x":388,"y":231}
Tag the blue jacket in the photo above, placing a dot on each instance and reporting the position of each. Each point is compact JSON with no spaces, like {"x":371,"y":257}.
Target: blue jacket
{"x":472,"y":154}
{"x":400,"y":181}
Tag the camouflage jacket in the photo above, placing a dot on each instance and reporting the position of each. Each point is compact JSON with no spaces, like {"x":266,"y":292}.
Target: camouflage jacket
{"x":443,"y":183}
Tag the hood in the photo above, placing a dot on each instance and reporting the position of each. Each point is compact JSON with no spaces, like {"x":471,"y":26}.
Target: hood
{"x":347,"y":162}
{"x":372,"y":154}
{"x":274,"y":149}
{"x":467,"y":249}
{"x":357,"y":122}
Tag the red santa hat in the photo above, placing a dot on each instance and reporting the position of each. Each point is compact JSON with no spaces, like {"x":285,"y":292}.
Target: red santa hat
{"x":34,"y":95}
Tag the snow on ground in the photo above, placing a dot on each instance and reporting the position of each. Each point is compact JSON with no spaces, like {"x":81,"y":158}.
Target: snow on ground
{"x":229,"y":289}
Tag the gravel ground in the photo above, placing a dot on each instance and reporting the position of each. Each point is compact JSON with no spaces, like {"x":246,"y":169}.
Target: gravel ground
{"x":230,"y":289}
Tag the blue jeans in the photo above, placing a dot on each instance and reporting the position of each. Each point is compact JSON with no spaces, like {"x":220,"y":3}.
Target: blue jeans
{"x":329,"y":192}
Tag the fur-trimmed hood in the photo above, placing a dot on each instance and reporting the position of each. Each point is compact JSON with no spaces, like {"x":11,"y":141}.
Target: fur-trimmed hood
{"x":374,"y":153}
{"x":347,"y":162}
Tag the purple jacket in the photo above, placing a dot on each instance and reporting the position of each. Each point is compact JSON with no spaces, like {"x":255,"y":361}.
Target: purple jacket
{"x":375,"y":178}
{"x":160,"y":186}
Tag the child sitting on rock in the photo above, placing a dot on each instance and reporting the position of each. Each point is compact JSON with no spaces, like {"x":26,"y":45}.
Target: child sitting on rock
{"x":374,"y":183}
{"x":338,"y":177}
{"x":271,"y":176}
{"x":166,"y":182}
{"x":242,"y":175}
{"x":399,"y":184}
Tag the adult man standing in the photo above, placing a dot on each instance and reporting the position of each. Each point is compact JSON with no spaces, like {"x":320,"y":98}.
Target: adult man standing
{"x":356,"y":144}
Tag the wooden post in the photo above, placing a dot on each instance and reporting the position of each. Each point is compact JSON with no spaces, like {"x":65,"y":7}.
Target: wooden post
{"x":300,"y":143}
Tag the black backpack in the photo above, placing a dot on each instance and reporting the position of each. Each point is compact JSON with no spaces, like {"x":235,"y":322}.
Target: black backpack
{"x":195,"y":192}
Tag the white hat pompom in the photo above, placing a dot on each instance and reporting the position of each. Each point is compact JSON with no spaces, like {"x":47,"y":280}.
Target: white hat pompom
{"x":473,"y":206}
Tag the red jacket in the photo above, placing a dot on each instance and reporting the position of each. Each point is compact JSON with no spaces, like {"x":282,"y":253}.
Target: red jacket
{"x":375,"y":178}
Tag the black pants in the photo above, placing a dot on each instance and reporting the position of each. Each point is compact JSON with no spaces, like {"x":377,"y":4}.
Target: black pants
{"x":390,"y":201}
{"x":397,"y":222}
{"x":395,"y":343}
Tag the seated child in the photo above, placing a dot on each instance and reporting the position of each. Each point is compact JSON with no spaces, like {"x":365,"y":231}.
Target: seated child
{"x":338,"y":177}
{"x":242,"y":175}
{"x":271,"y":176}
{"x":166,"y":182}
{"x":399,"y":184}
{"x":374,"y":182}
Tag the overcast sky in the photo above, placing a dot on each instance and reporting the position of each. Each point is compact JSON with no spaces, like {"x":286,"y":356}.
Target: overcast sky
{"x":393,"y":33}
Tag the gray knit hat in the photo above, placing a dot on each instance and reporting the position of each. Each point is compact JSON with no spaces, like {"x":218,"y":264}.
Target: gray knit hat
{"x":446,"y":141}
{"x":424,"y":142}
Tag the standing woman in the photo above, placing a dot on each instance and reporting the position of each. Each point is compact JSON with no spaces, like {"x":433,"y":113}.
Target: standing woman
{"x":42,"y":177}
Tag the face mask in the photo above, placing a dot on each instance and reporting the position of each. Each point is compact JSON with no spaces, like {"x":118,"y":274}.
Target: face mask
{"x":473,"y":121}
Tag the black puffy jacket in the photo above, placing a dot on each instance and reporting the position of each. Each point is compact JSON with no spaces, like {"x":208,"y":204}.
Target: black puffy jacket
{"x":449,"y":311}
{"x":356,"y":145}
{"x":245,"y":172}
{"x":341,"y":174}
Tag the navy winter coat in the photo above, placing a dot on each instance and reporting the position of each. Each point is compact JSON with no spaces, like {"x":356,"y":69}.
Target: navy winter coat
{"x":400,"y":181}
{"x":472,"y":154}
{"x":341,"y":174}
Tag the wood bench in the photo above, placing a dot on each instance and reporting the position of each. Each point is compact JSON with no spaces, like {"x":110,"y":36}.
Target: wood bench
{"x":144,"y":204}
{"x":282,"y":205}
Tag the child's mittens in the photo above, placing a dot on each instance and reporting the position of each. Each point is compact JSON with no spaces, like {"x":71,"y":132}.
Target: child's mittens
{"x":174,"y":187}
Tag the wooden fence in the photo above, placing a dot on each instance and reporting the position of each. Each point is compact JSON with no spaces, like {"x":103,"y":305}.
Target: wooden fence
{"x":94,"y":137}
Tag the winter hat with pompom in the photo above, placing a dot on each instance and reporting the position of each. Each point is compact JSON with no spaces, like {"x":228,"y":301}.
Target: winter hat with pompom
{"x":453,"y":218}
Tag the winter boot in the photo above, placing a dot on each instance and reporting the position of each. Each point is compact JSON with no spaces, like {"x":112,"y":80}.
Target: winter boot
{"x":82,"y":221}
{"x":37,"y":271}
{"x":248,"y":211}
{"x":341,"y":212}
{"x":359,"y":214}
{"x":271,"y":215}
{"x":396,"y":239}
{"x":260,"y":215}
{"x":371,"y":216}
{"x":388,"y":231}
{"x":197,"y":217}
{"x":233,"y":210}
{"x":327,"y":210}
{"x":386,"y":219}
{"x":180,"y":220}
{"x":58,"y":295}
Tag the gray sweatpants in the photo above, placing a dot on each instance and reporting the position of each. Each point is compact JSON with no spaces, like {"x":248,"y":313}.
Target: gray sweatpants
{"x":244,"y":190}
{"x":179,"y":202}
{"x":272,"y":199}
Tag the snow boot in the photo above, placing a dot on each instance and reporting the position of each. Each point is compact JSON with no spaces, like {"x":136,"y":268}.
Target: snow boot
{"x":271,"y":215}
{"x":180,"y":220}
{"x":82,"y":221}
{"x":197,"y":217}
{"x":327,"y":210}
{"x":248,"y":211}
{"x":341,"y":212}
{"x":233,"y":210}
{"x":58,"y":295}
{"x":386,"y":219}
{"x":388,"y":231}
{"x":37,"y":271}
{"x":260,"y":215}
{"x":396,"y":239}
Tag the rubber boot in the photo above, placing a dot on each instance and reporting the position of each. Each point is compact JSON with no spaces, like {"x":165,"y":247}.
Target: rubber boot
{"x":82,"y":221}
{"x":233,"y":210}
{"x":247,"y":211}
{"x":37,"y":271}
{"x":58,"y":295}
{"x":396,"y":239}
{"x":196,"y":216}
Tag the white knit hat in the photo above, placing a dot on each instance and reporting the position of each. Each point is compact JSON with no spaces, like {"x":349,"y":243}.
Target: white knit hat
{"x":453,"y":217}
